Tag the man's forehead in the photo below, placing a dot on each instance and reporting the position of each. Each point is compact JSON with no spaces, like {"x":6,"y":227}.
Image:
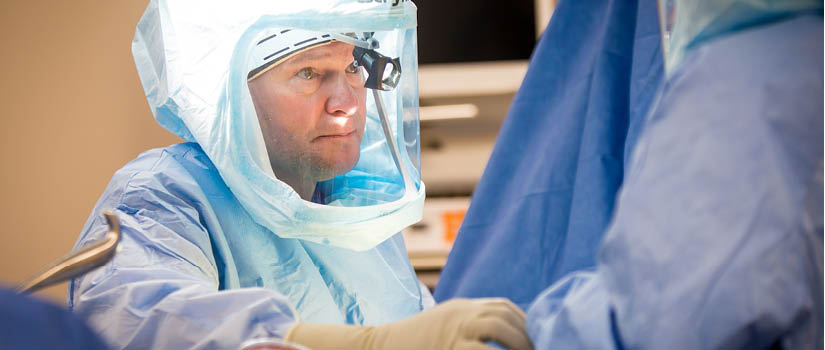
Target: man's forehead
{"x":330,"y":52}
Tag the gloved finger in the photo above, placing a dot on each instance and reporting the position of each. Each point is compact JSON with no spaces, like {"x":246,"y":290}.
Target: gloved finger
{"x":504,"y":304}
{"x":499,"y":331}
{"x":472,"y":345}
{"x":511,"y":314}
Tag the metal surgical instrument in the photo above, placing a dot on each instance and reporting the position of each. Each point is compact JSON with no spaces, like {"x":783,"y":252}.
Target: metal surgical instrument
{"x":79,"y":262}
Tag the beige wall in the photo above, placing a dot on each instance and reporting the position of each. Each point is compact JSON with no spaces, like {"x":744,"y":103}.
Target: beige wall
{"x":73,"y":112}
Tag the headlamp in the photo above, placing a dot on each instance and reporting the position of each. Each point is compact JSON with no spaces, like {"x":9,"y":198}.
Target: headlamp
{"x":383,"y":72}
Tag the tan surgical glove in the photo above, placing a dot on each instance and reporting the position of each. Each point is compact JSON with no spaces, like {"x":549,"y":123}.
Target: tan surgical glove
{"x":455,"y":324}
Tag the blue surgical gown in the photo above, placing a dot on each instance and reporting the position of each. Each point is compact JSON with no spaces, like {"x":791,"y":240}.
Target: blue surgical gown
{"x":195,"y":271}
{"x":717,"y":236}
{"x":547,"y":194}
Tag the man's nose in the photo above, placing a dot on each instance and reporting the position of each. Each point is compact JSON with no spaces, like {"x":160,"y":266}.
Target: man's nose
{"x":343,"y":98}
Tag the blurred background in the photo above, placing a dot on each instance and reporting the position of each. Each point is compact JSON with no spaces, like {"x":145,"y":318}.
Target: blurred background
{"x":74,"y":113}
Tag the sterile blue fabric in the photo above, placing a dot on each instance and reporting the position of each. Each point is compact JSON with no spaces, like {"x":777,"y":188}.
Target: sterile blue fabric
{"x":717,"y":237}
{"x":192,"y":57}
{"x":29,"y":323}
{"x":547,"y":193}
{"x":195,"y":271}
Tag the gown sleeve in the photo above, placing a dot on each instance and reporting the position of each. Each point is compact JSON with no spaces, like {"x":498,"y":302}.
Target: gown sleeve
{"x":162,"y":289}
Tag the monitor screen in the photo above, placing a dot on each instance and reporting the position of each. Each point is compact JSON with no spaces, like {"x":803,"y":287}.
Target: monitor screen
{"x":460,"y":31}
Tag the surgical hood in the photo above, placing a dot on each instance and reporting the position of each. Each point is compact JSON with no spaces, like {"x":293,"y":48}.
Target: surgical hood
{"x":194,"y":60}
{"x":686,"y":25}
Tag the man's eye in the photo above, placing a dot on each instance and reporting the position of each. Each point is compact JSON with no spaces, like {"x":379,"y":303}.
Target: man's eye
{"x":352,"y":68}
{"x":306,"y":73}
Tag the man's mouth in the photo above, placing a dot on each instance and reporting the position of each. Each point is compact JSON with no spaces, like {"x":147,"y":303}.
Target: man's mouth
{"x":337,"y":135}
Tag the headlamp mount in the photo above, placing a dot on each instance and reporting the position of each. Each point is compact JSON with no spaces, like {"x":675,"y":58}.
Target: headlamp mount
{"x":383,"y":72}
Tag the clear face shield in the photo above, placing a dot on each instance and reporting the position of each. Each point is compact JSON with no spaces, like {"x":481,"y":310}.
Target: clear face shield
{"x":308,"y":110}
{"x":338,"y":118}
{"x":334,"y":117}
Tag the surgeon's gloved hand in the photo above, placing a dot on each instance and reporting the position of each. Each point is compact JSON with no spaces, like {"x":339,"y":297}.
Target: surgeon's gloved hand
{"x":455,"y":324}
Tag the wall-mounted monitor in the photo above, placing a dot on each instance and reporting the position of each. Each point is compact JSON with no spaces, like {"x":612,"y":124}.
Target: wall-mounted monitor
{"x":471,"y":47}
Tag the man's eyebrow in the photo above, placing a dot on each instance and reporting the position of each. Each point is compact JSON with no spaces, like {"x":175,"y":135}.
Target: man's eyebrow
{"x":308,"y":56}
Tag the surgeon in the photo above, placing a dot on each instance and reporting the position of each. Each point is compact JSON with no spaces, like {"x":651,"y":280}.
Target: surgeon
{"x":279,"y":219}
{"x":716,"y":241}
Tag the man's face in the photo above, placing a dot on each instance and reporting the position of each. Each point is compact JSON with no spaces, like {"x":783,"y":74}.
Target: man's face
{"x":312,"y":108}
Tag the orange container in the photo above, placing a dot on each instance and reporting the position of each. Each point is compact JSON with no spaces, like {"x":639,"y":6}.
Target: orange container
{"x":452,"y":222}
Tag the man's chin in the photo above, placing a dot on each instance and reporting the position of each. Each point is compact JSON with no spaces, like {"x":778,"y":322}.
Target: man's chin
{"x":335,"y":169}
